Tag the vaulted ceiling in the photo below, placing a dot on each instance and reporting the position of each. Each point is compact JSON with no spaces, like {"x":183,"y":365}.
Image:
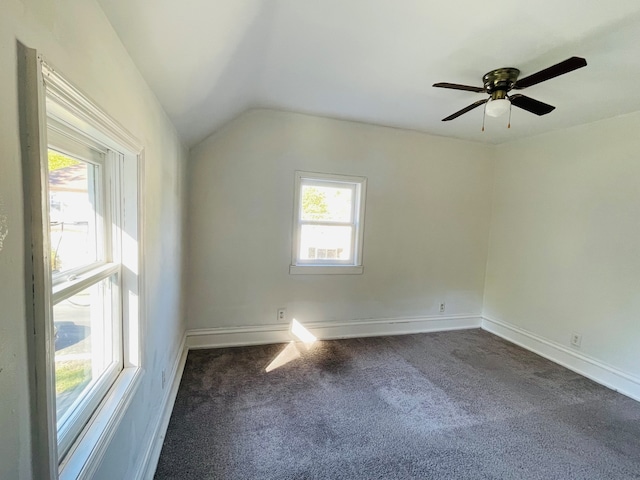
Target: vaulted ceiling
{"x":375,"y":60}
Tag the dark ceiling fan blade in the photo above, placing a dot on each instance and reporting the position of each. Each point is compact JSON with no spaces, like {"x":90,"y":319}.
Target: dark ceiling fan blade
{"x":531,"y":105}
{"x":556,"y":70}
{"x":465,"y":110}
{"x":455,"y":86}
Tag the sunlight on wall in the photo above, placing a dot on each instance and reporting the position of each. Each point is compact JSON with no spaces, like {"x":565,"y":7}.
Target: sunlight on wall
{"x":4,"y":222}
{"x":295,"y":348}
{"x":302,"y":333}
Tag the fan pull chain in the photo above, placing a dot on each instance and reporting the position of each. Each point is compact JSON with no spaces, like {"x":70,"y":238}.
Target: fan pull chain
{"x":509,"y":125}
{"x":484,"y":115}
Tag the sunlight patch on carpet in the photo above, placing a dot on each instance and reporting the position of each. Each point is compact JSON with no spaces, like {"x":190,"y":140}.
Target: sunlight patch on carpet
{"x":294,"y":349}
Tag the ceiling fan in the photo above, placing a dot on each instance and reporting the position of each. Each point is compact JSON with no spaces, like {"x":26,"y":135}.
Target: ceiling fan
{"x":498,"y":83}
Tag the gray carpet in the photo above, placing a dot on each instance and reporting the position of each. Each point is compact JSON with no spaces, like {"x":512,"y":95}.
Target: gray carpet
{"x":450,"y":405}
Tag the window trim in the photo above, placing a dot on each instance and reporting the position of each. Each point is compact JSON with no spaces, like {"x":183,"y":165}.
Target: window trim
{"x":324,"y":267}
{"x":42,"y":93}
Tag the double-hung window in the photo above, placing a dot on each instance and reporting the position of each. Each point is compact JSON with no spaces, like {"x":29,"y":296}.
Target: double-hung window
{"x":84,"y":238}
{"x":328,"y":223}
{"x":81,"y":171}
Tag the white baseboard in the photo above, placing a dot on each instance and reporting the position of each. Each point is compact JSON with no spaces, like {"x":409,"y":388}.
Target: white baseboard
{"x":585,"y":365}
{"x":280,"y":333}
{"x":149,"y":462}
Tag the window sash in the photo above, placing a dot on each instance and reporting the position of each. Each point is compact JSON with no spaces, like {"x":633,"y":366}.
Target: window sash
{"x":78,"y":146}
{"x":309,"y":182}
{"x":80,"y":412}
{"x":329,"y":261}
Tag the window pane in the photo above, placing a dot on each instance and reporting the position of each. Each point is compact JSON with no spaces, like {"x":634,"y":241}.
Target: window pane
{"x":73,"y":217}
{"x":326,"y":203}
{"x":84,"y":344}
{"x":323,"y":242}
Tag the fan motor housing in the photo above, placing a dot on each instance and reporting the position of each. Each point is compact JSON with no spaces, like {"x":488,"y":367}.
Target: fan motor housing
{"x":501,"y":79}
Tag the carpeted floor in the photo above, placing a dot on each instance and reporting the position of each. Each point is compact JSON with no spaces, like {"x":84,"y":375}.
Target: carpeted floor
{"x":450,"y":405}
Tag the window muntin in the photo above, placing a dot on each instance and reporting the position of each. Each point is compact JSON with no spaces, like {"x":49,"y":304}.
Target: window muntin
{"x":329,"y":212}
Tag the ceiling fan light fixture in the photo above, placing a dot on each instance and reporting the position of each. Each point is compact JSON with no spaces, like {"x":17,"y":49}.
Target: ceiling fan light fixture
{"x":499,"y":82}
{"x":498,"y":107}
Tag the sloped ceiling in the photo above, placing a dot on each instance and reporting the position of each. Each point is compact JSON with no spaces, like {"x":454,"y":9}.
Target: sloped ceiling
{"x":375,"y":60}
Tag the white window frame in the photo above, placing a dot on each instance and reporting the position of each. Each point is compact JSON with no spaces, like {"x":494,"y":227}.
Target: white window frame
{"x":106,"y":268}
{"x":352,"y":266}
{"x":46,"y":97}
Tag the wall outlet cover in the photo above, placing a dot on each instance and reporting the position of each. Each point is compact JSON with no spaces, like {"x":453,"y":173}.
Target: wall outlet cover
{"x":576,"y":339}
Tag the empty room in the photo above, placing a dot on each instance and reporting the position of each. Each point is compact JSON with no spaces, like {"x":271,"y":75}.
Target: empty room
{"x":290,"y":239}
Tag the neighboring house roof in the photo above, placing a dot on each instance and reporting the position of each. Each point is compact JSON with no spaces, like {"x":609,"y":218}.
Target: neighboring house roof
{"x":69,"y":179}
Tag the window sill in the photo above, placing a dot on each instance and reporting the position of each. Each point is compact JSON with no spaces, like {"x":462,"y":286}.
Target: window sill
{"x":326,"y":269}
{"x":86,"y":454}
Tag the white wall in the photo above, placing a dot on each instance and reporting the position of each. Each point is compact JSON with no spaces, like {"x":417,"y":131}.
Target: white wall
{"x":565,"y":233}
{"x":426,"y":228}
{"x":76,"y":38}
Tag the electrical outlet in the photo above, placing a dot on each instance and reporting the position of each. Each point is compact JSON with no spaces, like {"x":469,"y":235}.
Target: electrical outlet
{"x":282,"y":314}
{"x":164,"y":379}
{"x":576,"y":340}
{"x":442,"y":307}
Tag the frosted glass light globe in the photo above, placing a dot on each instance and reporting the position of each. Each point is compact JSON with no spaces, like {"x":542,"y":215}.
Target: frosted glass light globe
{"x":498,"y":107}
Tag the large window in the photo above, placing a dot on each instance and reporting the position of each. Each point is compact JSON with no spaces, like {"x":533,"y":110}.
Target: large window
{"x":328,"y":223}
{"x":84,"y":237}
{"x":82,"y":228}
